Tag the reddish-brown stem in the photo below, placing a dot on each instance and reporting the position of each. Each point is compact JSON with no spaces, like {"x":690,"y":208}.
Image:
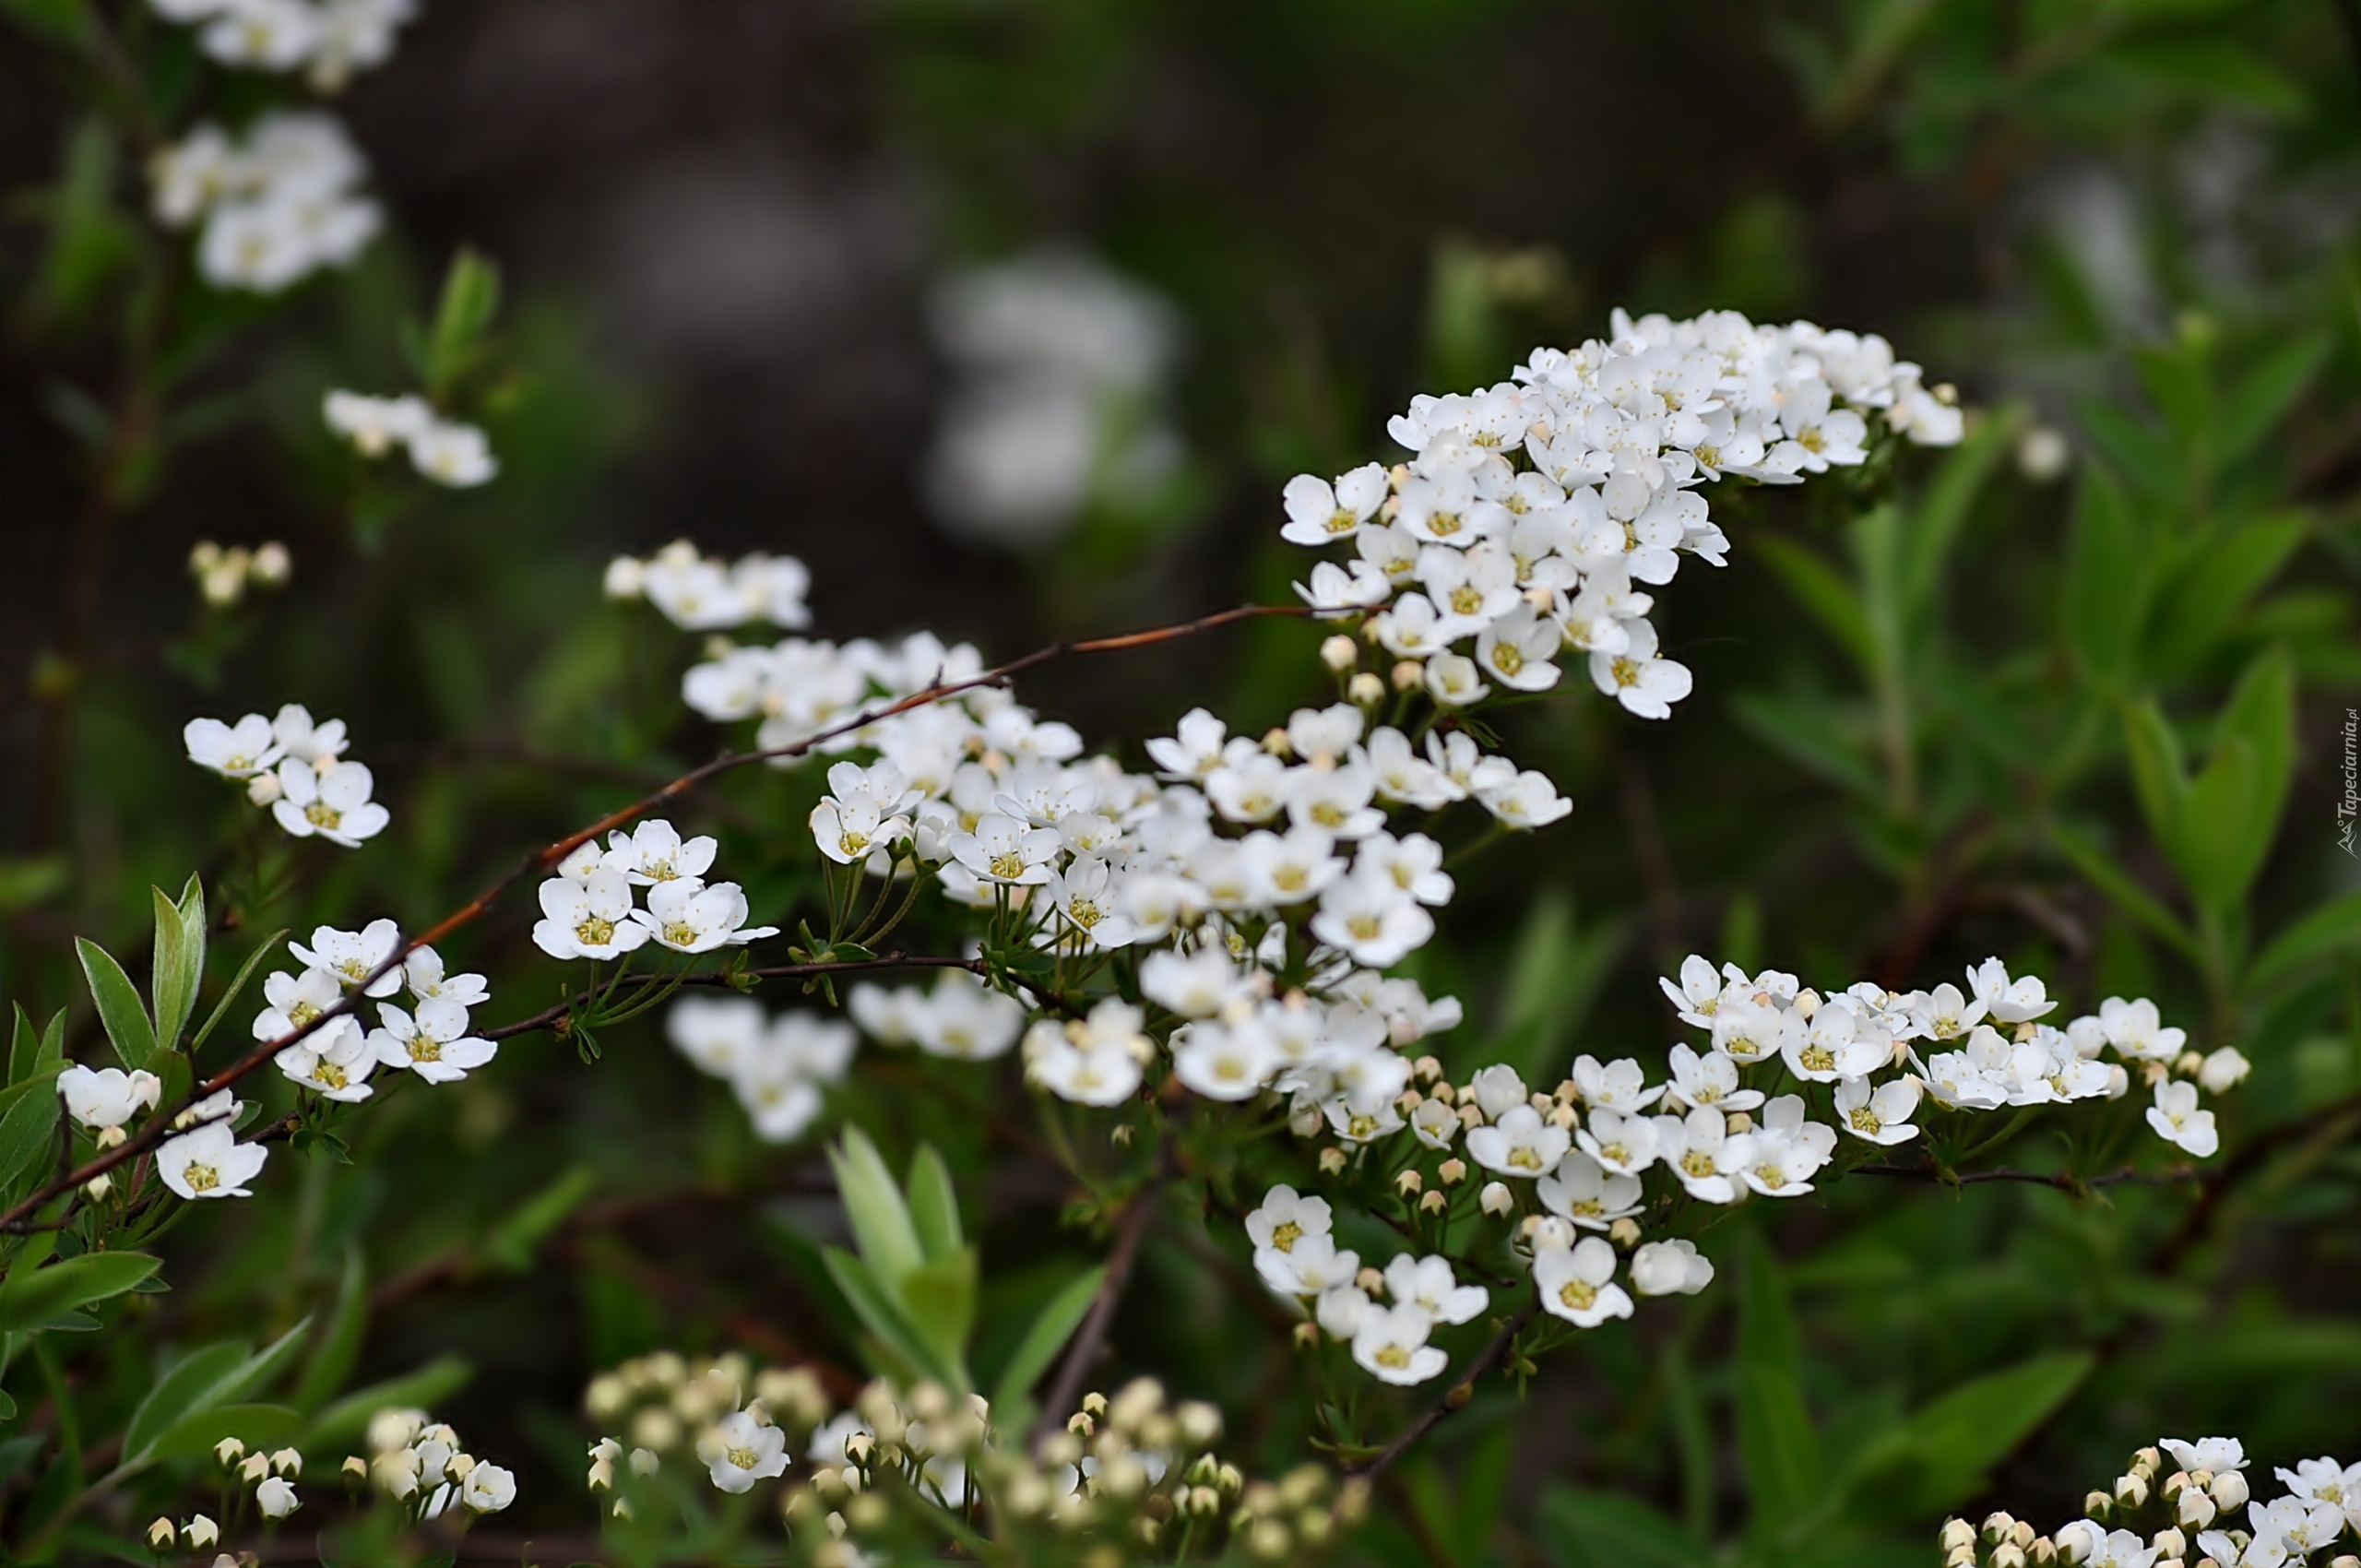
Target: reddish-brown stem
{"x":159,"y":1127}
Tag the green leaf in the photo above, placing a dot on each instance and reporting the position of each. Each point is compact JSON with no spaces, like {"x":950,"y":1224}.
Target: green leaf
{"x":237,"y":983}
{"x":119,"y":1006}
{"x":471,"y":298}
{"x":882,"y":1315}
{"x":1604,"y":1529}
{"x":339,"y":1349}
{"x":2158,"y":774}
{"x":1825,"y":594}
{"x":1555,"y":973}
{"x":257,"y":1426}
{"x":30,"y":1299}
{"x":61,"y":20}
{"x":1047,"y":1336}
{"x":2263,"y":395}
{"x":938,"y":1298}
{"x":2107,"y":580}
{"x":1942,"y":512}
{"x":29,"y":1117}
{"x":2210,"y":590}
{"x":511,"y":1244}
{"x":2101,"y":871}
{"x":2138,"y":452}
{"x":179,"y":967}
{"x":2331,"y":929}
{"x":423,"y":1389}
{"x":934,"y":1206}
{"x":194,"y":1383}
{"x":1936,"y":1459}
{"x":1777,"y":1444}
{"x":2223,"y":832}
{"x":886,"y":1240}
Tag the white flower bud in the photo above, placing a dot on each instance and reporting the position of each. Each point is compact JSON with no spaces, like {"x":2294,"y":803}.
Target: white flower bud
{"x":2195,"y":1507}
{"x":1957,"y":1533}
{"x":200,"y":1533}
{"x":1339,"y":654}
{"x":276,"y":1498}
{"x":272,"y":565}
{"x":1496,"y":1198}
{"x":253,"y":1467}
{"x":162,"y":1535}
{"x":288,"y":1463}
{"x":2170,"y":1542}
{"x":2118,"y":1080}
{"x":2229,"y":1491}
{"x":626,"y":577}
{"x":98,"y":1187}
{"x":2130,"y":1491}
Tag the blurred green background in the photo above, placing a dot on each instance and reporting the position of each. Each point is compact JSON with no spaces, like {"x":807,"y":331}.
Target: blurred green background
{"x":2071,"y":694}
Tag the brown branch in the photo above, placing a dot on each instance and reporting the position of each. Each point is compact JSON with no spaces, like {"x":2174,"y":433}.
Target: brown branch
{"x":1456,"y":1397}
{"x":159,"y":1127}
{"x":1091,"y":1337}
{"x":559,"y":1015}
{"x":2064,"y":1181}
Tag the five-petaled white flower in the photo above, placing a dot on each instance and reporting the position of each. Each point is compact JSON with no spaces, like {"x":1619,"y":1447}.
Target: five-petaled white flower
{"x":740,"y":1450}
{"x":1577,"y":1283}
{"x":332,"y":802}
{"x":209,"y":1163}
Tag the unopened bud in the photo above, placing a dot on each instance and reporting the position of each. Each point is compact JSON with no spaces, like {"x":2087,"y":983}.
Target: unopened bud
{"x":1365,"y":689}
{"x":1331,"y":1160}
{"x":1276,"y":742}
{"x":1408,"y":675}
{"x":1451,"y":1172}
{"x":1307,"y":1336}
{"x":288,"y":1463}
{"x":2170,"y":1542}
{"x":1371,"y":1281}
{"x":2043,"y":1552}
{"x":98,"y":1187}
{"x":2195,"y":1508}
{"x":229,"y":1451}
{"x":1738,"y":1121}
{"x":1496,"y":1198}
{"x":163,"y":1534}
{"x":271,"y":563}
{"x":1410,"y":1183}
{"x":110,"y":1137}
{"x":2008,"y":1554}
{"x":2130,"y":1491}
{"x":1957,"y":1533}
{"x":2098,"y":1504}
{"x":1625,"y":1232}
{"x":200,"y":1533}
{"x":1339,"y":654}
{"x":1434,"y":1203}
{"x":1997,"y":1525}
{"x":2229,"y":1489}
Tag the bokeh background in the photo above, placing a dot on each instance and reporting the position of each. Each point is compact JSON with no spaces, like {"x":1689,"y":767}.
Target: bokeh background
{"x":768,"y":265}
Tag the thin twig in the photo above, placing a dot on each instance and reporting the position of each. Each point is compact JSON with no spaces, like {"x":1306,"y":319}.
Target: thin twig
{"x":2064,"y":1181}
{"x":157,"y":1126}
{"x":557,"y":1016}
{"x":1456,"y":1397}
{"x":1082,"y":1351}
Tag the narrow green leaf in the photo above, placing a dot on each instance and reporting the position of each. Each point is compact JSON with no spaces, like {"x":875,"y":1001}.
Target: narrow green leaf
{"x":2101,"y":871}
{"x":2331,"y":929}
{"x":29,"y":1115}
{"x":192,"y":1385}
{"x":1778,"y":1448}
{"x":2158,"y":773}
{"x":1047,"y":1336}
{"x":1934,"y":525}
{"x":178,"y":966}
{"x":2107,"y":580}
{"x":1936,"y":1459}
{"x":238,"y":983}
{"x":257,"y":1426}
{"x":119,"y":1006}
{"x":2263,"y":395}
{"x":934,"y":1206}
{"x":1605,"y":1529}
{"x":1825,"y":594}
{"x":882,"y":1315}
{"x":511,"y":1244}
{"x":338,"y":1350}
{"x":27,"y":1299}
{"x":886,"y":1240}
{"x":24,"y":1045}
{"x":2224,"y":833}
{"x":938,"y":1298}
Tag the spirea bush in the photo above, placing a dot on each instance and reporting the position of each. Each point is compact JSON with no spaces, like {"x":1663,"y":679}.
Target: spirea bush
{"x":1212,"y":974}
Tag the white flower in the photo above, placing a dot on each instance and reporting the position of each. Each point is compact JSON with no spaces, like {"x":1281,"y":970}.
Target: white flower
{"x":333,"y":804}
{"x":305,"y":742}
{"x":2012,"y":1002}
{"x":655,"y":852}
{"x":294,"y":1001}
{"x":108,"y":1096}
{"x":1645,"y":684}
{"x":351,"y":956}
{"x":1003,"y":850}
{"x":234,"y":751}
{"x":374,"y":425}
{"x":335,"y":1060}
{"x":1945,"y":1014}
{"x":1525,"y":801}
{"x":452,"y":454}
{"x":2178,"y":1121}
{"x":1709,"y":1079}
{"x":1428,"y":1283}
{"x":1497,"y":1090}
{"x":588,"y":917}
{"x":1700,"y":1152}
{"x":864,"y":813}
{"x":1284,"y":1217}
{"x":1413,"y":863}
{"x":2224,"y":1069}
{"x":1587,"y":1193}
{"x":1697,"y":993}
{"x":1391,"y":1345}
{"x":1515,"y":649}
{"x":1780,"y":1156}
{"x":1340,"y":1310}
{"x":435,"y":1044}
{"x":1665,"y":1268}
{"x":1836,"y":1043}
{"x":208,"y":1163}
{"x":740,"y":1450}
{"x":1454,"y":680}
{"x":1224,"y":1061}
{"x":1619,"y":1085}
{"x":422,"y":972}
{"x":720,"y":1034}
{"x":689,"y":917}
{"x":1320,"y":513}
{"x":1372,"y":921}
{"x":1313,"y":1263}
{"x":1086,"y":895}
{"x":276,"y":1497}
{"x":1620,"y":1142}
{"x":964,"y":1020}
{"x":1519,"y":1144}
{"x":1881,"y":1115}
{"x":1195,"y":986}
{"x":488,"y":1490}
{"x":1576,"y":1283}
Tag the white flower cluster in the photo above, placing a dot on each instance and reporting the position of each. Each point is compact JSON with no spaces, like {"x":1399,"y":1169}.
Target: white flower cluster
{"x":329,"y":39}
{"x":294,"y":767}
{"x":277,"y":204}
{"x":777,"y":1067}
{"x":1061,"y":367}
{"x":700,"y":593}
{"x":273,"y":1477}
{"x":429,"y":1039}
{"x":224,"y":575}
{"x":1296,"y":1253}
{"x":418,"y":1461}
{"x":1983,"y":1047}
{"x":448,"y":452}
{"x":586,"y":910}
{"x":203,"y":1159}
{"x":2204,"y":1493}
{"x":958,"y":1016}
{"x":1531,"y":508}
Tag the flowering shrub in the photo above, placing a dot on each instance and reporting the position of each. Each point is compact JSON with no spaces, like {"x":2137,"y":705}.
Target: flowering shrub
{"x":1220,"y":998}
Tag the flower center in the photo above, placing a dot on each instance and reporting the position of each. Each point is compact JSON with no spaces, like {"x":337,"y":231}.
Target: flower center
{"x":1342,"y":522}
{"x":302,"y":1013}
{"x":1770,"y":1176}
{"x":1365,"y":927}
{"x":321,"y":814}
{"x":1615,"y":1154}
{"x":329,"y":1076}
{"x":596,"y":930}
{"x":201,"y":1178}
{"x":1394,"y":1357}
{"x":1467,"y":598}
{"x":1578,"y":1294}
{"x":1866,"y":1121}
{"x":1008,"y":865}
{"x":853,"y":843}
{"x":679,"y":934}
{"x":1698,"y":1163}
{"x":1285,"y":1235}
{"x":1524,"y":1158}
{"x":1627,"y":674}
{"x":1442,"y":525}
{"x":1818,"y":1059}
{"x":1506,"y":658}
{"x":424,"y":1049}
{"x":741,"y":1459}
